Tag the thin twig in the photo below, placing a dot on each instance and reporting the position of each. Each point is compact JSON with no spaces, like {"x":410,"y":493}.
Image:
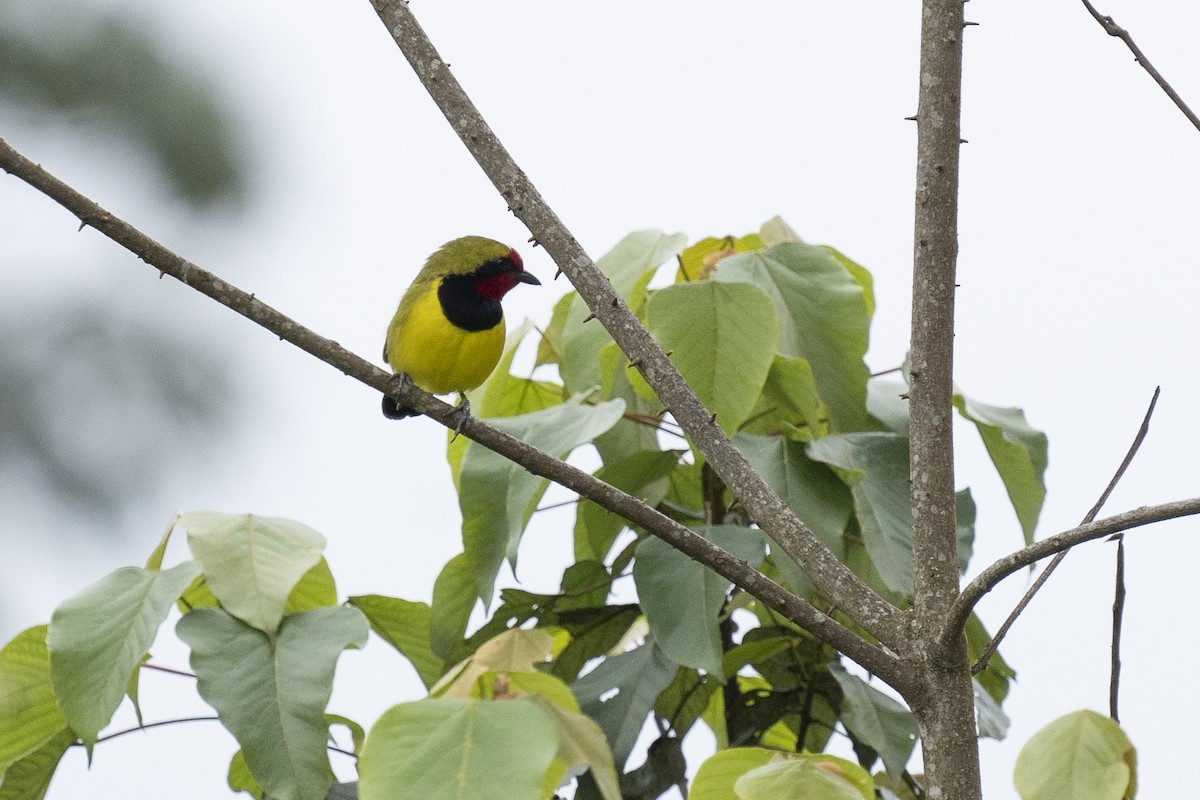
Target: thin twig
{"x":537,"y":462}
{"x":168,"y":670}
{"x":1118,"y":611}
{"x":150,"y":725}
{"x":1113,"y":29}
{"x":981,"y":662}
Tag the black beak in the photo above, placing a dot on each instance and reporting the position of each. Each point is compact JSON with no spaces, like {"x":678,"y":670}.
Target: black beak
{"x":526,"y":277}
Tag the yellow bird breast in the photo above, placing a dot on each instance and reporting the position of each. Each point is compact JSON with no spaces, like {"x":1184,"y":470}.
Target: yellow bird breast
{"x":439,"y":356}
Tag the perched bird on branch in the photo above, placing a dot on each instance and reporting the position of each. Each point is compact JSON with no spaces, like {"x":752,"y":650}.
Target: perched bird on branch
{"x":448,"y":332}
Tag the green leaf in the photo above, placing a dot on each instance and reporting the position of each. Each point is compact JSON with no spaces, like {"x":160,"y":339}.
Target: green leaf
{"x":876,"y":464}
{"x":405,"y":626}
{"x":775,"y":231}
{"x":516,"y":650}
{"x":789,"y":403}
{"x":1018,"y":453}
{"x":663,"y":768}
{"x":357,"y":735}
{"x":315,"y":589}
{"x":156,"y":557}
{"x":809,"y":488}
{"x":629,"y":435}
{"x":439,"y":749}
{"x":271,"y":692}
{"x":505,"y":395}
{"x":638,"y":676}
{"x":722,"y":339}
{"x":585,"y":585}
{"x":98,"y":637}
{"x":696,"y":263}
{"x":581,"y":742}
{"x":239,"y":777}
{"x":997,"y":676}
{"x":682,"y":599}
{"x":131,"y":688}
{"x":343,"y":791}
{"x":644,"y":475}
{"x":550,"y":346}
{"x":807,"y":777}
{"x":453,"y":600}
{"x":1081,"y":756}
{"x":32,"y":719}
{"x":252,"y":563}
{"x":630,"y":264}
{"x":823,"y":318}
{"x":682,"y":703}
{"x":862,"y":276}
{"x":497,"y":497}
{"x":964,"y":518}
{"x":28,"y":778}
{"x":877,"y":720}
{"x":720,"y":771}
{"x":888,"y":402}
{"x":990,"y":718}
{"x":594,"y":632}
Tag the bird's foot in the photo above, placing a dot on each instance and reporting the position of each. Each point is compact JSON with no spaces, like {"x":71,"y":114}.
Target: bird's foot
{"x":400,"y":382}
{"x":462,"y":413}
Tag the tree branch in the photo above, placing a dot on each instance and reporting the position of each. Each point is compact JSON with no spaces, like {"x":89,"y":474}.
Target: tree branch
{"x":845,"y":589}
{"x":1001,"y":569}
{"x":1113,"y":29}
{"x":682,"y":538}
{"x":994,"y":644}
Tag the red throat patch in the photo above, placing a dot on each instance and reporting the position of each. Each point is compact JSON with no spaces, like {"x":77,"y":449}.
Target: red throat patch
{"x":495,"y":287}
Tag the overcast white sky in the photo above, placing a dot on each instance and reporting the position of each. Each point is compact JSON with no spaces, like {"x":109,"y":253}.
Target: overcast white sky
{"x":1077,"y":271}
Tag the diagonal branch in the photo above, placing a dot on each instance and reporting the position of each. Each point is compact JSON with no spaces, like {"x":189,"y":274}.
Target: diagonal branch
{"x":1002,"y":568}
{"x":682,"y":538}
{"x":988,"y":651}
{"x":845,"y":589}
{"x":1113,"y":29}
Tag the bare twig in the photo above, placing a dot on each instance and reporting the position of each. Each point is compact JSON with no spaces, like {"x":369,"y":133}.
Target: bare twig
{"x":845,"y":589}
{"x":1143,"y":429}
{"x":1113,"y":29}
{"x":168,"y":670}
{"x":1118,"y":611}
{"x":682,"y":538}
{"x":148,"y":726}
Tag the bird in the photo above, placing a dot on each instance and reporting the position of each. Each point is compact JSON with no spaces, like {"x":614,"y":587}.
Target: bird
{"x":448,"y":333}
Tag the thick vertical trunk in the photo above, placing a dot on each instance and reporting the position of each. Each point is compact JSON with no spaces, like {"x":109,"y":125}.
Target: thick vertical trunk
{"x":943,"y":699}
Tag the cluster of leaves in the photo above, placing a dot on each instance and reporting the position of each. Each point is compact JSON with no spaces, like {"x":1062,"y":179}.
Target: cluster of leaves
{"x":771,"y":332}
{"x":553,"y":687}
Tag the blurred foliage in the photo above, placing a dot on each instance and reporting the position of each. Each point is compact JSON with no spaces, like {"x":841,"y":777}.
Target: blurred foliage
{"x":94,"y":398}
{"x":75,"y":64}
{"x":94,"y":404}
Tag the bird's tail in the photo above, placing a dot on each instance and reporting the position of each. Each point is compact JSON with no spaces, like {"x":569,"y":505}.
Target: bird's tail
{"x":392,"y":411}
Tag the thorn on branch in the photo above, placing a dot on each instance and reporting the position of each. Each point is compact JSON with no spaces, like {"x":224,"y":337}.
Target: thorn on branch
{"x":589,"y":318}
{"x":616,"y":302}
{"x":913,"y":118}
{"x":969,"y":24}
{"x":634,"y":365}
{"x":713,"y":419}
